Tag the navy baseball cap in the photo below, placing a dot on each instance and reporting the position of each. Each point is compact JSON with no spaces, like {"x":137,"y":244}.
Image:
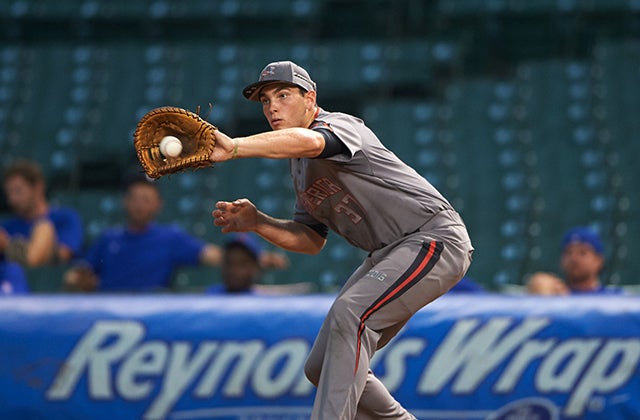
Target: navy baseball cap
{"x":246,"y":240}
{"x":583,"y":235}
{"x":280,"y":72}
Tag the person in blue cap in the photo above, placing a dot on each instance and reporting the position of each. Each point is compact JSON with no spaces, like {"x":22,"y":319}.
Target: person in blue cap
{"x":582,"y":260}
{"x":240,"y":268}
{"x":243,"y":262}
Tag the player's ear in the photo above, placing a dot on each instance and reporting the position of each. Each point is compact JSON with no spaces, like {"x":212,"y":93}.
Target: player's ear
{"x":310,"y":97}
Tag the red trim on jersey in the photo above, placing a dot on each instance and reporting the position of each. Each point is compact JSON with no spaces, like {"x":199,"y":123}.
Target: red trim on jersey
{"x":427,"y":257}
{"x":313,"y":121}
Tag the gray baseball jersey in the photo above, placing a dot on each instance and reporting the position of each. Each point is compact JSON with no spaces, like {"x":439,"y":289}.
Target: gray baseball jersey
{"x":369,"y":197}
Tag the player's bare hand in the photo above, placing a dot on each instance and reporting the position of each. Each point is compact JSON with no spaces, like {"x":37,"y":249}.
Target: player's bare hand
{"x":224,"y":147}
{"x":235,"y":216}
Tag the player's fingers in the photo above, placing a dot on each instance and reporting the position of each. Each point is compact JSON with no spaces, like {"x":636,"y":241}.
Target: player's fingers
{"x":222,"y":205}
{"x":241,"y":202}
{"x":220,"y":219}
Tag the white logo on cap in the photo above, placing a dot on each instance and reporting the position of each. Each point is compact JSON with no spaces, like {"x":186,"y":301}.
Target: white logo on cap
{"x":270,"y":71}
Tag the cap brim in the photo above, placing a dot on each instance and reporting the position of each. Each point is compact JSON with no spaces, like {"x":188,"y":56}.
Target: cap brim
{"x":252,"y":92}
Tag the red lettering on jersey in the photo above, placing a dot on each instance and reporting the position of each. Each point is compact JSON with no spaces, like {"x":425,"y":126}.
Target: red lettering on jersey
{"x":323,"y":188}
{"x":318,"y":191}
{"x":327,"y":185}
{"x":349,"y":206}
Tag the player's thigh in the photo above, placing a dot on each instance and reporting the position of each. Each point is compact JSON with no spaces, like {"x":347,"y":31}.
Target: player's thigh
{"x":404,"y":279}
{"x":372,"y":292}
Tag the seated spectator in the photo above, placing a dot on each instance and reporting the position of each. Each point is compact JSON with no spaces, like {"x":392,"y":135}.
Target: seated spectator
{"x":38,"y":234}
{"x":242,"y":267}
{"x":143,"y":255}
{"x":13,"y":280}
{"x":581,"y":262}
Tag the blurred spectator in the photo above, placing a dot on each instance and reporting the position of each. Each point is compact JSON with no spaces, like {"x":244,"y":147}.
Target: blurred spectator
{"x":143,"y":255}
{"x":581,"y":262}
{"x":13,"y":280}
{"x":547,"y":284}
{"x":37,"y":234}
{"x":242,"y":268}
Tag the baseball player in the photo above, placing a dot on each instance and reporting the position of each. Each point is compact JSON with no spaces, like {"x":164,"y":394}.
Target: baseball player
{"x":347,"y":181}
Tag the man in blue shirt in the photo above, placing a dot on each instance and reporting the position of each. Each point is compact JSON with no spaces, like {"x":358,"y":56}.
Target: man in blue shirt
{"x":38,"y":234}
{"x":143,"y":255}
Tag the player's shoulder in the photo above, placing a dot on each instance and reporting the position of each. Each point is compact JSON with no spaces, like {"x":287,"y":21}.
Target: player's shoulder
{"x":329,"y":116}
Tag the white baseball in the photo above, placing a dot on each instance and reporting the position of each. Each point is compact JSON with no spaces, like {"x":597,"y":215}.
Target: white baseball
{"x":170,"y":146}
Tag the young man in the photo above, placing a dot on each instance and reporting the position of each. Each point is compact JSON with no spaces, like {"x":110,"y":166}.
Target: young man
{"x":38,"y":234}
{"x":346,"y":180}
{"x":141,"y":256}
{"x":243,"y":263}
{"x":240,"y":268}
{"x":582,"y":260}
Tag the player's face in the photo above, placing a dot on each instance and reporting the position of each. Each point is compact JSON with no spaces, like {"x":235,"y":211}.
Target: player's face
{"x":286,"y":106}
{"x":21,"y":195}
{"x":580,"y":262}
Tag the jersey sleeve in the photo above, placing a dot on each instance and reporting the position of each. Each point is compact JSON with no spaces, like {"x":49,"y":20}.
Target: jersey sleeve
{"x":344,"y":133}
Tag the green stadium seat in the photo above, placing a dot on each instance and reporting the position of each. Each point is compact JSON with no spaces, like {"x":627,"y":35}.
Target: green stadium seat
{"x":47,"y":279}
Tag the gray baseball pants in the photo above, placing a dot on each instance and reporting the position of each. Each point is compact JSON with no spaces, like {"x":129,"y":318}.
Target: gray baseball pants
{"x":391,"y":285}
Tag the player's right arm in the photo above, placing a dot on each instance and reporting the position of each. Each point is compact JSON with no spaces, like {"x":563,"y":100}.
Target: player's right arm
{"x":242,"y":216}
{"x":287,"y":143}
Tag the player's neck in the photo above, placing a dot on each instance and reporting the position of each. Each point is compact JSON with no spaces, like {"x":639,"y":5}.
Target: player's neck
{"x":313,"y":115}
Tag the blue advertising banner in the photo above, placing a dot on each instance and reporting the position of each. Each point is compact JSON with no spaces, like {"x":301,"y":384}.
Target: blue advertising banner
{"x":215,"y":357}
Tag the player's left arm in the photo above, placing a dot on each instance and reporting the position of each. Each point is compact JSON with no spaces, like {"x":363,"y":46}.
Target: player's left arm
{"x":242,"y":216}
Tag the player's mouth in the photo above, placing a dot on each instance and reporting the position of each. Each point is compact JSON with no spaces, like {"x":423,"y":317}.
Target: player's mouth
{"x":276,"y":121}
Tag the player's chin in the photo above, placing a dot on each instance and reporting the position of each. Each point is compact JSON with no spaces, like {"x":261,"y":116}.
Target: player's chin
{"x":277,"y":124}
